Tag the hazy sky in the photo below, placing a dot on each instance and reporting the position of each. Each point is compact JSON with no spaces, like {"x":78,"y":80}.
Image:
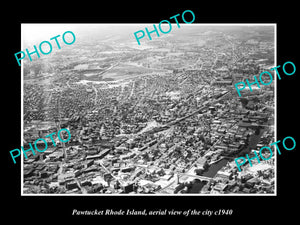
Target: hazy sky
{"x":33,"y":34}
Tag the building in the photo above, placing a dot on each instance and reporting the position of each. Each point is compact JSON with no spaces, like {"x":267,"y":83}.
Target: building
{"x":224,"y":174}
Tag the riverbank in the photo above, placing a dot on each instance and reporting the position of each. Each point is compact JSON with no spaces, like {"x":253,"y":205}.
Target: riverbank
{"x":217,"y":165}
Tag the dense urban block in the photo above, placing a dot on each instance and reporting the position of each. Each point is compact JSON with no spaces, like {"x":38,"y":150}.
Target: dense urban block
{"x":158,"y":118}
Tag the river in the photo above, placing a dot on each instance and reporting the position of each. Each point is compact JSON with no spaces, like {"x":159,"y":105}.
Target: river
{"x":214,"y":168}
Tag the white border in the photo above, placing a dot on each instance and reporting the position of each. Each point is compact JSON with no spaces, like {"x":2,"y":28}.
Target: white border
{"x":152,"y":195}
{"x":22,"y":117}
{"x":275,"y":108}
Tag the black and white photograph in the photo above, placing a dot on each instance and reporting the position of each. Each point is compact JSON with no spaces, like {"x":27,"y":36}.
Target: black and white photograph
{"x":133,"y":113}
{"x":160,"y":117}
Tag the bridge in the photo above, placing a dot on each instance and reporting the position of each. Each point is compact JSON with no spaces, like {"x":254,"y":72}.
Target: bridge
{"x":181,"y":175}
{"x":195,"y":176}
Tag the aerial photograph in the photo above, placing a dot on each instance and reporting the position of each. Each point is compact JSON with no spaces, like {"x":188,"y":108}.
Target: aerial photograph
{"x":162,"y":117}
